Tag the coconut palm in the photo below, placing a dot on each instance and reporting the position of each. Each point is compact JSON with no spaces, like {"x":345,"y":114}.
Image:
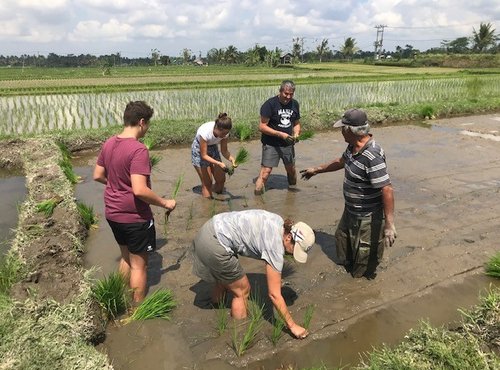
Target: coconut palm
{"x":349,"y":48}
{"x":322,"y":49}
{"x":483,"y":38}
{"x":231,"y":54}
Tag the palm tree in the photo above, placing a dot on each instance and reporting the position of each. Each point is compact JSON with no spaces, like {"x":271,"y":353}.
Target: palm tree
{"x":322,"y":49}
{"x":349,"y":48}
{"x":231,"y":54}
{"x":483,"y":38}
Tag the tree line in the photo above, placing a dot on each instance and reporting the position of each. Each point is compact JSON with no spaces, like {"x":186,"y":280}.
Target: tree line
{"x":482,"y":40}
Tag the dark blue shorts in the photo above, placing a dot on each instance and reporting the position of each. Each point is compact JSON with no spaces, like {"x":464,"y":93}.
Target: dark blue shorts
{"x":139,"y":237}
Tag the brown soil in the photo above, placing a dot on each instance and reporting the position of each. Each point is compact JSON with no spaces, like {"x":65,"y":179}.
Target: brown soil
{"x":445,"y":182}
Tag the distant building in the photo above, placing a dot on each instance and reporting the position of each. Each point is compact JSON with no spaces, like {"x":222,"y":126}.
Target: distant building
{"x":286,"y":58}
{"x":200,"y":62}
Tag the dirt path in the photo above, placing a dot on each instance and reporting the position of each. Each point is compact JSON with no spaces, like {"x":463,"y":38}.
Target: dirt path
{"x":446,"y":182}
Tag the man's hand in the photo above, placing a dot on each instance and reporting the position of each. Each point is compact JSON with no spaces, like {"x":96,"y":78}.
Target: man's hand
{"x":290,"y":139}
{"x":390,"y":235}
{"x":307,"y":173}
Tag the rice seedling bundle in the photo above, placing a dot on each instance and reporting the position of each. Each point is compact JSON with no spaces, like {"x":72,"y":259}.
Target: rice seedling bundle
{"x":87,"y":214}
{"x":112,"y":294}
{"x":305,"y":135}
{"x":157,"y":305}
{"x":242,"y":156}
{"x":47,"y":206}
{"x":308,"y":316}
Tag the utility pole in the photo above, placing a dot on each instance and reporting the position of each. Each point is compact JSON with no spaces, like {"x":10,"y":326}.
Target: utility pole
{"x":302,"y":47}
{"x":379,"y":41}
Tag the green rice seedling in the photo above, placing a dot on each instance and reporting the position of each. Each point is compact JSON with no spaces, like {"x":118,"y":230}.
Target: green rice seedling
{"x":189,"y":220}
{"x":175,"y":191}
{"x":493,"y":266}
{"x":149,"y":142}
{"x":305,"y":135}
{"x":87,"y":214}
{"x":222,"y":318}
{"x":112,"y":294}
{"x":158,"y":305}
{"x":278,"y":326}
{"x":47,"y":206}
{"x":242,"y":343}
{"x":154,"y":159}
{"x":65,"y":152}
{"x":243,"y":131}
{"x":213,"y":208}
{"x":67,"y":169}
{"x":242,"y":157}
{"x":308,"y":316}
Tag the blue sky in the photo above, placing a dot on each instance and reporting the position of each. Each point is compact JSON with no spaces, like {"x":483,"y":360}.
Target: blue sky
{"x":135,"y":27}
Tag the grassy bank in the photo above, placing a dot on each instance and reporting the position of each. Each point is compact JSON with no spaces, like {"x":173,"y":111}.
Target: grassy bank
{"x":473,"y":345}
{"x":48,"y":318}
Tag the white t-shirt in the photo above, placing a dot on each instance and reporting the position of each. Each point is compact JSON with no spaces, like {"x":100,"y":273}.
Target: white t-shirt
{"x":252,"y":233}
{"x":206,"y":132}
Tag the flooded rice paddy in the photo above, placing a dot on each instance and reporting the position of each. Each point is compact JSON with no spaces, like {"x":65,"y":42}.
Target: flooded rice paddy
{"x":446,"y":189}
{"x":13,"y":190}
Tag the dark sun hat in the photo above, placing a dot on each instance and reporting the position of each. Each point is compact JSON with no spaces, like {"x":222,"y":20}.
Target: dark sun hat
{"x":353,"y":117}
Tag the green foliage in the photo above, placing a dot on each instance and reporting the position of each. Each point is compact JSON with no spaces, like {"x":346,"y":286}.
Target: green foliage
{"x":243,"y":131}
{"x":177,"y":185}
{"x":65,"y":152}
{"x":149,"y":142}
{"x":438,"y":348}
{"x":242,"y":156}
{"x":87,"y":214}
{"x":305,"y":135}
{"x":154,"y":159}
{"x":222,"y":317}
{"x":47,"y":206}
{"x":241,"y":343}
{"x":493,"y":266}
{"x":113,"y":295}
{"x":473,"y":86}
{"x":278,"y":326}
{"x":308,"y":316}
{"x":11,"y":269}
{"x":67,"y":169}
{"x":427,"y":111}
{"x":157,"y":305}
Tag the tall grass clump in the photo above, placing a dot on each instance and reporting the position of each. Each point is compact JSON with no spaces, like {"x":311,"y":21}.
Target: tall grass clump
{"x":112,"y":294}
{"x":308,"y":316}
{"x":157,"y":305}
{"x":65,"y":152}
{"x":11,"y":269}
{"x":243,"y":131}
{"x":493,"y":266}
{"x":47,"y":206}
{"x":87,"y":214}
{"x":242,"y":342}
{"x":470,"y":346}
{"x":427,"y":111}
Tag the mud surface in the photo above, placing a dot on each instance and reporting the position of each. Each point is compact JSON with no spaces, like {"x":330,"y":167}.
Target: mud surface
{"x":446,"y":179}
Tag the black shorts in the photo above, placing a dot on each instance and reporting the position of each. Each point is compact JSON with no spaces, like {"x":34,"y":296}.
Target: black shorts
{"x":139,"y":237}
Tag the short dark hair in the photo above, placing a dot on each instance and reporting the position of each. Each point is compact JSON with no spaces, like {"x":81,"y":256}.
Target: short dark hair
{"x":135,"y":111}
{"x":223,"y":122}
{"x":287,"y":83}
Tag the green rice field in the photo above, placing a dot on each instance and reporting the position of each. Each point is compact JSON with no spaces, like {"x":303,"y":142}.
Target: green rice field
{"x":86,"y":101}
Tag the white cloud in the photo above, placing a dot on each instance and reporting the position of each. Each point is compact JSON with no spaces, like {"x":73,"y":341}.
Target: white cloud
{"x":139,"y":25}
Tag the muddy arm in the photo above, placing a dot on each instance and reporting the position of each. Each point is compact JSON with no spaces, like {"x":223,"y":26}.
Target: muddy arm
{"x":274,"y":288}
{"x":141,"y":191}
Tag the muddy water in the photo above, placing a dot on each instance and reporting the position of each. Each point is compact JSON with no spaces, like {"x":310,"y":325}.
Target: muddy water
{"x":13,"y":190}
{"x":445,"y":186}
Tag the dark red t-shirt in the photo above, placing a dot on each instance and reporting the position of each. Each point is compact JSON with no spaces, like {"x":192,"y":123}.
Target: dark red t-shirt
{"x":122,"y":157}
